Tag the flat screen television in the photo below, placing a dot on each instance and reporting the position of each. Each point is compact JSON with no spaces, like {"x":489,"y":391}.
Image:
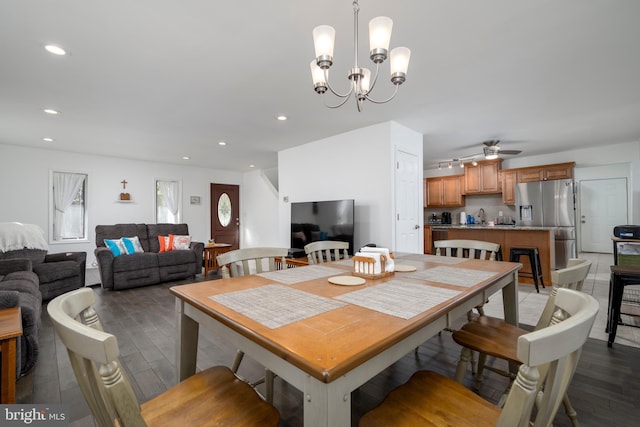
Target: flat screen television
{"x":322,"y":220}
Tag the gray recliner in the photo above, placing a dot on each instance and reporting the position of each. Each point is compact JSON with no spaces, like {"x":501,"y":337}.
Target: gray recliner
{"x":19,"y":288}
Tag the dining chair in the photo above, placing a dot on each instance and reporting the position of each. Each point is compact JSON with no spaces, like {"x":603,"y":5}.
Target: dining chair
{"x":490,"y":336}
{"x":326,"y":251}
{"x":214,"y":396}
{"x":473,"y":249}
{"x":461,"y":248}
{"x":549,"y":358}
{"x":241,"y":262}
{"x":246,"y":261}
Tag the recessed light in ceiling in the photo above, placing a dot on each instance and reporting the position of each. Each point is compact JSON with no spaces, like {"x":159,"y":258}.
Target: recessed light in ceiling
{"x":51,"y":111}
{"x":252,"y":166}
{"x":47,"y":139}
{"x":185,"y":157}
{"x":222,"y":143}
{"x":56,"y":50}
{"x":281,"y":117}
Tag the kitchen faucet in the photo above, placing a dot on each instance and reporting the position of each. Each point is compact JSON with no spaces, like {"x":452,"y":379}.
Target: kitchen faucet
{"x":481,"y":215}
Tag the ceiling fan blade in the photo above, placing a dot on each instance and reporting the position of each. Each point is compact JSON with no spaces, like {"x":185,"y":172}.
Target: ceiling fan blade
{"x":510,"y":152}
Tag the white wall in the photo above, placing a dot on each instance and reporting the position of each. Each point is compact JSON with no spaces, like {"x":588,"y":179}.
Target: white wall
{"x":355,"y":165}
{"x":259,"y":207}
{"x":24,"y":193}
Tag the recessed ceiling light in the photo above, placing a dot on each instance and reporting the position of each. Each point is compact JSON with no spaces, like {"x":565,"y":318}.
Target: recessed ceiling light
{"x":281,"y":117}
{"x":56,"y":50}
{"x":252,"y":166}
{"x":222,"y":143}
{"x":47,"y":139}
{"x":51,"y":111}
{"x":185,"y":157}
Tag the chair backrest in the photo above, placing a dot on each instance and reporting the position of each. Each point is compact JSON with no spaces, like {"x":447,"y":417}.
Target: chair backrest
{"x":326,"y":251}
{"x":570,"y":277}
{"x":241,"y":262}
{"x":549,"y":358}
{"x":94,"y":358}
{"x":467,"y":249}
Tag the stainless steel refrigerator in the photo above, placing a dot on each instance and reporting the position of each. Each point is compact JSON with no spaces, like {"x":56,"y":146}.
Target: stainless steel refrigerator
{"x":550,"y":204}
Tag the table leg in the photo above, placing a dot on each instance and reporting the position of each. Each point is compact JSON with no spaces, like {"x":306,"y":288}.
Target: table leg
{"x":326,"y":404}
{"x":510,"y":308}
{"x":186,"y":343}
{"x":510,"y":301}
{"x":8,"y":371}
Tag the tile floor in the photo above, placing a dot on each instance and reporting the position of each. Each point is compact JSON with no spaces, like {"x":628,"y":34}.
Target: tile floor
{"x":597,"y":284}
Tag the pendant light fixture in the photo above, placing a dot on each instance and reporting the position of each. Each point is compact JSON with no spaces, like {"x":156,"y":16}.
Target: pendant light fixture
{"x":362,"y":83}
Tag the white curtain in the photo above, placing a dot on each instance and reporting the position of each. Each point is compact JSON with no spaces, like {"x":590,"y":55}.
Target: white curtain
{"x":65,"y":188}
{"x":170,"y":191}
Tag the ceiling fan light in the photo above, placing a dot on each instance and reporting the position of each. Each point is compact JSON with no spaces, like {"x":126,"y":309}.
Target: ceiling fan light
{"x":491,"y":156}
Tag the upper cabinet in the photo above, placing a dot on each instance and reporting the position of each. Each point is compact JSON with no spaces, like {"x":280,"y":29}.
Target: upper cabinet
{"x":482,"y":178}
{"x":546,"y":172}
{"x":508,"y":179}
{"x":444,"y":191}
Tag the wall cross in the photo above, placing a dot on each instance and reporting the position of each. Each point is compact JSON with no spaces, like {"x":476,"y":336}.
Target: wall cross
{"x":124,"y":183}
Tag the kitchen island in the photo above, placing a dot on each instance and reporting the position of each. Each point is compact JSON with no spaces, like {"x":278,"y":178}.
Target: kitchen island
{"x":509,"y":236}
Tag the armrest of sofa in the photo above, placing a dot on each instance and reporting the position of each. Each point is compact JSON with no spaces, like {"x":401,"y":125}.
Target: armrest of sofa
{"x":79,"y":257}
{"x":17,"y":264}
{"x":9,"y":298}
{"x":198,"y":248}
{"x":104,"y":258}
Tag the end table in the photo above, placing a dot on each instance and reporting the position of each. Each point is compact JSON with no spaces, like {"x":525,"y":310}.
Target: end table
{"x":10,"y":330}
{"x":211,"y":253}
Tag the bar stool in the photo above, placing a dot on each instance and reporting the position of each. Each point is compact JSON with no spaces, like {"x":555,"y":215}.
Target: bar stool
{"x":534,"y":259}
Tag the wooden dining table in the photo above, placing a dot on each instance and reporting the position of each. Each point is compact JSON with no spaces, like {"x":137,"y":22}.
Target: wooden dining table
{"x":326,"y":339}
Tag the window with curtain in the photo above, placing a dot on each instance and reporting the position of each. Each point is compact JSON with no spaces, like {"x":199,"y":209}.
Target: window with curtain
{"x":168,"y":201}
{"x":68,"y":216}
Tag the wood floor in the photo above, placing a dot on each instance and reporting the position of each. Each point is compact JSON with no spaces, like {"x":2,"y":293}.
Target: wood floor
{"x":604,"y":391}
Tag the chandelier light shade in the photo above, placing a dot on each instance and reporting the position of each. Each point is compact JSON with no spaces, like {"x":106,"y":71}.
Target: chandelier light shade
{"x":361,"y":80}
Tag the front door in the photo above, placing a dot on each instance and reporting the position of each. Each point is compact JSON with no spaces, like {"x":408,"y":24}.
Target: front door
{"x":225,"y":214}
{"x":603,"y":205}
{"x":409,"y":234}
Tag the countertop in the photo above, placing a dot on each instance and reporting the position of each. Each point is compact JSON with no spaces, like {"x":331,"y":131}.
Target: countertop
{"x":486,"y":227}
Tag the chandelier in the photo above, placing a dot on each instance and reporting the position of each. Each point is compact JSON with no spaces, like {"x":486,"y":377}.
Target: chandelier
{"x":361,"y":82}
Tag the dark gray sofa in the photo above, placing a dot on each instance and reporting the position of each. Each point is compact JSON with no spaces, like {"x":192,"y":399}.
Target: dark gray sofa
{"x":151,"y":266}
{"x":19,"y":288}
{"x":57,"y":273}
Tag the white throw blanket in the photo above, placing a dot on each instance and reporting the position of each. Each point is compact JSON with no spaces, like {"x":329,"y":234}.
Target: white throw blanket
{"x":15,"y":236}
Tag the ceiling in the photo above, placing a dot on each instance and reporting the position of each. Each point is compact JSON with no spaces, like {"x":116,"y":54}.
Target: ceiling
{"x":158,"y":80}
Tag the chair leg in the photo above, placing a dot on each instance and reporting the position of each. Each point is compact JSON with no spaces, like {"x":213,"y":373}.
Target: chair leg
{"x":268,"y":382}
{"x":571,"y":413}
{"x":482,"y":359}
{"x":461,"y":369}
{"x":236,"y":361}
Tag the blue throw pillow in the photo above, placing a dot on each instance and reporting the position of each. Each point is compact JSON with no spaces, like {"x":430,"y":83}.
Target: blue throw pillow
{"x":116,"y":246}
{"x":132,"y":245}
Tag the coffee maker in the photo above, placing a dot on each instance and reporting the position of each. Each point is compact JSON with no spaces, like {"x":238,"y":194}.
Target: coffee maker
{"x":446,"y":217}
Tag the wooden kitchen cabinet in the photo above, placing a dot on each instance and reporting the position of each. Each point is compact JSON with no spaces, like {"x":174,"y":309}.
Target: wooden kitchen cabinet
{"x":444,"y":191}
{"x":428,"y":241}
{"x":482,"y":178}
{"x":546,"y":172}
{"x":509,"y":179}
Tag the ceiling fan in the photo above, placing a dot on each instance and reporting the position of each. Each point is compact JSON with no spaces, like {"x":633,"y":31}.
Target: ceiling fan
{"x":492,"y":150}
